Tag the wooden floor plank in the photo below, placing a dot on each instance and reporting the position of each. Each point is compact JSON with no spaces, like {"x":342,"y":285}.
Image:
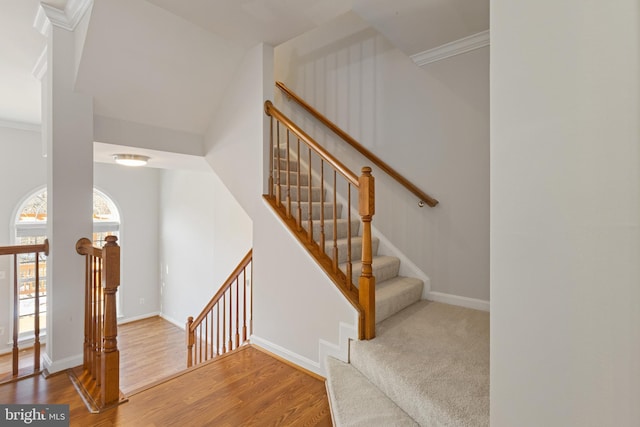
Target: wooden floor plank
{"x":245,"y":388}
{"x":150,"y":350}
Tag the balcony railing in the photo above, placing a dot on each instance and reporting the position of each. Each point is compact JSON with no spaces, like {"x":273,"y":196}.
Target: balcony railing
{"x":28,"y":279}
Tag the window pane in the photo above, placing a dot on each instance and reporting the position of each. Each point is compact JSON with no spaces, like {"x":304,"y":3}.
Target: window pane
{"x":35,"y":209}
{"x":99,"y":239}
{"x":27,"y":286}
{"x":30,"y":229}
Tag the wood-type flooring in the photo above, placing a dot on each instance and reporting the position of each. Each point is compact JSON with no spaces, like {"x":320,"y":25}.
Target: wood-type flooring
{"x":245,"y":388}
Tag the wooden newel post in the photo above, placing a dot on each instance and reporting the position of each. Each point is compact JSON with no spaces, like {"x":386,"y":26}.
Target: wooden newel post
{"x":110,"y":372}
{"x":191,"y":338}
{"x":367,"y":282}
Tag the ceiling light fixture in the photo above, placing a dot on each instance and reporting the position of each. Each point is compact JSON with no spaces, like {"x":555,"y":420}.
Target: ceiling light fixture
{"x":131,"y":159}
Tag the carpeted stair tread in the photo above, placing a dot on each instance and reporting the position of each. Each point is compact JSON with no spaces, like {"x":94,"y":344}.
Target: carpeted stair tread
{"x":304,"y":193}
{"x":356,"y":248}
{"x":396,"y":294}
{"x":293,"y":178}
{"x":341,"y":225}
{"x":355,"y":402}
{"x":384,"y":268}
{"x":432,"y":360}
{"x":291,"y":165}
{"x":316,"y":208}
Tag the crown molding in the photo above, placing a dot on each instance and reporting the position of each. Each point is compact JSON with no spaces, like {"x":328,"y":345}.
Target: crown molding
{"x":42,"y":22}
{"x":56,"y":16}
{"x":76,"y":9}
{"x":457,"y":47}
{"x":67,"y":19}
{"x":20,"y":125}
{"x":40,"y":68}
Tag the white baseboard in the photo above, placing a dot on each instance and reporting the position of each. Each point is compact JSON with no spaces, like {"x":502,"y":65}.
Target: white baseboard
{"x":474,"y":303}
{"x":51,"y":367}
{"x":339,"y":351}
{"x":181,"y":325}
{"x":125,"y":320}
{"x":292,"y":357}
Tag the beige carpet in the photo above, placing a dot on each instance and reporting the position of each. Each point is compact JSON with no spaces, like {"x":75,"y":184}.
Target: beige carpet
{"x":355,"y":402}
{"x":432,"y":360}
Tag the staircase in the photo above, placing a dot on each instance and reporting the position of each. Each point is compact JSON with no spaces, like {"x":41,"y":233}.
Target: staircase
{"x":428,"y":366}
{"x":387,"y":382}
{"x":420,"y":363}
{"x":392,"y":292}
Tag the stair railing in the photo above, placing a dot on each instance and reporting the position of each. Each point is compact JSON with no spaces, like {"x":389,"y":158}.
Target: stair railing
{"x":38,"y":282}
{"x":101,"y":357}
{"x":422,"y":196}
{"x":292,"y":151}
{"x":226,"y":322}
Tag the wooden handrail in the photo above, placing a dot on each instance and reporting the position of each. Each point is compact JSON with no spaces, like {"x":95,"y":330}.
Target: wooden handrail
{"x":84,"y":246}
{"x":16,"y":250}
{"x":221,"y":324}
{"x":272,"y":111}
{"x":327,"y":254}
{"x":424,"y":197}
{"x":25,"y":249}
{"x":232,"y":277}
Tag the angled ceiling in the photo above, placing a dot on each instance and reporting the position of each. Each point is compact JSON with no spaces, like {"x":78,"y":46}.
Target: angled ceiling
{"x":414,"y":26}
{"x":146,"y":61}
{"x":144,"y":64}
{"x":248,"y":22}
{"x":20,"y":47}
{"x":167,"y":62}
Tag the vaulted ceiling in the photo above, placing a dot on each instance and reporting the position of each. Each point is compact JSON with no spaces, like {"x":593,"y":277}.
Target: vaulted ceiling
{"x":166,"y":62}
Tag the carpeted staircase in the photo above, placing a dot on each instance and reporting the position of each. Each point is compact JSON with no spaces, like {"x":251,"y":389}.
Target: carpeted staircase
{"x":428,"y":366}
{"x":393,"y":292}
{"x":429,"y":363}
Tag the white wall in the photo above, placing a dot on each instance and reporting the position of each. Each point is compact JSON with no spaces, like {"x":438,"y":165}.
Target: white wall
{"x":121,"y":132}
{"x":233,"y":142}
{"x":204,"y":235}
{"x":136,"y":194}
{"x":22,"y":171}
{"x":430,"y":124}
{"x":565,"y":197}
{"x":295,"y":304}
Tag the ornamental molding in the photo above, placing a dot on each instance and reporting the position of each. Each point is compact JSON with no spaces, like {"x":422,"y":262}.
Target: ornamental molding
{"x":40,"y":68}
{"x":67,"y":19}
{"x":457,"y":47}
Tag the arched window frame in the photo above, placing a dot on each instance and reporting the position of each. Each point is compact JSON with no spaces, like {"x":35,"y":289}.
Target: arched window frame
{"x":106,"y":221}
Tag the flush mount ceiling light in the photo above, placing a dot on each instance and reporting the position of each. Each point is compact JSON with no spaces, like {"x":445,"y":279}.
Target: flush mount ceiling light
{"x":131,"y":159}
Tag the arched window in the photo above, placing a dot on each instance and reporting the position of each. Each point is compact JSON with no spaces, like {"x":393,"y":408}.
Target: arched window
{"x":31,"y":228}
{"x":106,"y":218}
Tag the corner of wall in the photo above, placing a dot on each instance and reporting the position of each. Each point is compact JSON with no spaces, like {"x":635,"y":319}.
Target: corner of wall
{"x":339,"y":351}
{"x":347,"y":332}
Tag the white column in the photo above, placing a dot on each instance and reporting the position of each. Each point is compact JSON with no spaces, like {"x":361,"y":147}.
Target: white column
{"x":68,"y":123}
{"x":565,"y":216}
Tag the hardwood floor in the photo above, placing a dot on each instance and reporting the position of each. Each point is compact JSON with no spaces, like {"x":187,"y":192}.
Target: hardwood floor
{"x":244,"y":388}
{"x":25,"y":363}
{"x":150,"y":350}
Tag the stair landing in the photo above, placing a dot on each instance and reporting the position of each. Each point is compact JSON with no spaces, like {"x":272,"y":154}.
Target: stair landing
{"x":431,"y":360}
